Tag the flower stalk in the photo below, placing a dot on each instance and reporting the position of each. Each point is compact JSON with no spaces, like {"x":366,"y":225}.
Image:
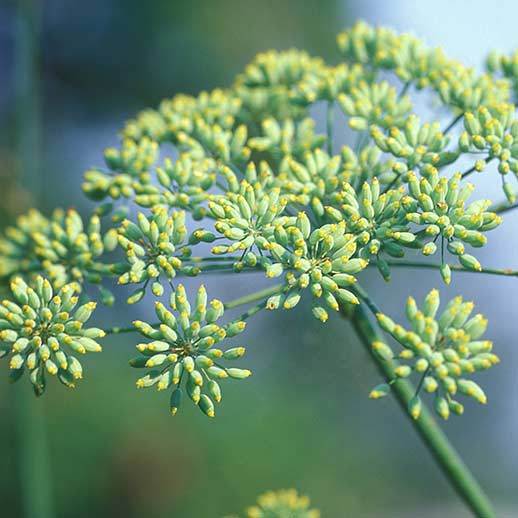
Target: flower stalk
{"x":431,"y":434}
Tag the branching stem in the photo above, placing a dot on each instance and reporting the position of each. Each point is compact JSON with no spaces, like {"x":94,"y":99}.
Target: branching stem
{"x":433,"y":437}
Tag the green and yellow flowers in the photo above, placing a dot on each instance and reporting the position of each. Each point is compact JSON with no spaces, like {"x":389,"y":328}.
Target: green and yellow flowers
{"x":443,"y":349}
{"x":181,"y":353}
{"x":42,"y":332}
{"x":246,"y":180}
{"x":283,"y":503}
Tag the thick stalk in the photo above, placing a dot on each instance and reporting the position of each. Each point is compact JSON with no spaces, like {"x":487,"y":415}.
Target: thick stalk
{"x":426,"y":426}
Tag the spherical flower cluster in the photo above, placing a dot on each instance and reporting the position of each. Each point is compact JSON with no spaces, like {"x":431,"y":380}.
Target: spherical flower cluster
{"x":40,"y":329}
{"x":154,"y":248}
{"x":248,"y":218}
{"x":415,"y":145}
{"x":493,"y":133}
{"x":128,"y":165}
{"x":285,"y":503}
{"x":228,"y":145}
{"x":17,"y":253}
{"x":440,"y":204}
{"x":366,"y":164}
{"x":376,"y":103}
{"x":314,"y":179}
{"x":181,"y":350}
{"x":506,"y":66}
{"x":61,"y":247}
{"x":286,"y":139}
{"x":176,"y":116}
{"x":271,"y":84}
{"x":444,"y":350}
{"x":377,"y":220}
{"x":183,"y":183}
{"x":320,"y":260}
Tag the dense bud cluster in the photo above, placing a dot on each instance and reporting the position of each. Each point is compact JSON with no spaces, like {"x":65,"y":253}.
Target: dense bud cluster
{"x":182,"y":352}
{"x":376,"y":103}
{"x":271,"y":191}
{"x":416,"y":64}
{"x":492,"y":133}
{"x":439,"y":204}
{"x":320,"y":260}
{"x":378,"y":220}
{"x":42,"y":330}
{"x":61,"y":247}
{"x":154,"y":248}
{"x":247,"y":218}
{"x":445,"y":350}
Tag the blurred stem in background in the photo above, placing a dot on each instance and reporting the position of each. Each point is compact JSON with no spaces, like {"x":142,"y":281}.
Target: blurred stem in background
{"x":32,"y":445}
{"x":444,"y":453}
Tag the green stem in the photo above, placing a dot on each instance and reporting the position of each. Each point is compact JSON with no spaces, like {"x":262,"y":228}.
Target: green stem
{"x":253,"y":297}
{"x":253,"y":310}
{"x":116,"y":330}
{"x":247,"y":299}
{"x":452,"y":124}
{"x":426,"y":426}
{"x":454,"y":267}
{"x":214,"y":258}
{"x":503,"y":206}
{"x":330,"y":126}
{"x":472,"y":169}
{"x":404,"y":90}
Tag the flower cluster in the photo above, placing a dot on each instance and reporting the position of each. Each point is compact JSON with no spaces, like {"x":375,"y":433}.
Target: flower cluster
{"x":439,"y":204}
{"x":248,"y":218}
{"x":286,"y":139}
{"x":272,"y":192}
{"x":154,"y":248}
{"x":312,"y":180}
{"x":272,"y":84}
{"x":492,"y":133}
{"x":184,"y":183}
{"x":377,"y":220}
{"x":128,"y":166}
{"x":375,"y":103}
{"x":415,"y":145}
{"x":181,"y":350}
{"x":61,"y":247}
{"x":319,"y":259}
{"x":458,"y":87}
{"x":506,"y":66}
{"x":282,"y":504}
{"x":42,"y":329}
{"x":444,"y":350}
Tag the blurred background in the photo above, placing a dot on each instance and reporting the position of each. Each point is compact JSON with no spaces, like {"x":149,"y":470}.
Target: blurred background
{"x":304,"y":419}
